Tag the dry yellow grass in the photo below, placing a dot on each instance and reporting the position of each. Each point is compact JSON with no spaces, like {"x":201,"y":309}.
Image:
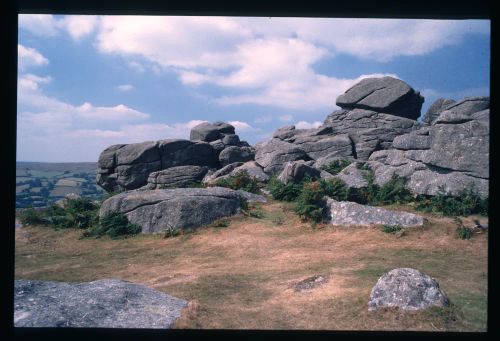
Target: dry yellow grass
{"x":241,"y":276}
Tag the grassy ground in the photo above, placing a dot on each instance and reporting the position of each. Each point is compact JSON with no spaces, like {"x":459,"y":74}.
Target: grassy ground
{"x":242,"y":276}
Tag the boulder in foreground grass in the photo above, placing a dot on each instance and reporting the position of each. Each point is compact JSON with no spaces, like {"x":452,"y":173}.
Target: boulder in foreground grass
{"x":350,"y":213}
{"x":107,"y":303}
{"x":408,"y":289}
{"x":177,"y":208}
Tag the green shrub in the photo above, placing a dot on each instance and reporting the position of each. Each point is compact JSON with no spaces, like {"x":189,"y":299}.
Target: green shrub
{"x":259,"y":214}
{"x":464,"y":232}
{"x":30,"y":216}
{"x":221,"y":223}
{"x":363,"y":166}
{"x":280,"y":191}
{"x":334,"y":188}
{"x":108,"y":195}
{"x":310,"y":204}
{"x":278,"y":220}
{"x":391,"y":228}
{"x":336,"y":166}
{"x":241,"y":180}
{"x":171,"y":232}
{"x":465,"y":203}
{"x":113,"y":225}
{"x":393,"y":191}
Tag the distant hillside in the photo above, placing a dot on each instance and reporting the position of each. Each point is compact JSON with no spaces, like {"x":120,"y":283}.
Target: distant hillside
{"x":58,"y":166}
{"x":40,"y":184}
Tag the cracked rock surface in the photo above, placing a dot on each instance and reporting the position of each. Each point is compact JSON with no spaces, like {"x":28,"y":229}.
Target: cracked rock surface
{"x":407,"y":289}
{"x":177,"y":208}
{"x":107,"y":303}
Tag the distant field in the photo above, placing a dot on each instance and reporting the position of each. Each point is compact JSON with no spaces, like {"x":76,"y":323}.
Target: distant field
{"x":21,"y":188}
{"x":68,"y":183}
{"x":45,"y":173}
{"x":61,"y":191}
{"x":47,"y":182}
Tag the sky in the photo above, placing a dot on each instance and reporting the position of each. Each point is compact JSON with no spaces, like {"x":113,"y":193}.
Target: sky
{"x":88,"y":82}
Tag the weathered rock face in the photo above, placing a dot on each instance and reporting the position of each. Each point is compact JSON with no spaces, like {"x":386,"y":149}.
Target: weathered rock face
{"x":453,"y":152}
{"x":295,"y":171}
{"x":352,"y":176}
{"x":369,"y":130}
{"x":233,"y":154}
{"x":208,"y":132}
{"x":273,"y":154}
{"x":180,"y":176}
{"x":349,"y":213}
{"x":374,"y":112}
{"x":407,"y":289}
{"x":252,"y":168}
{"x":108,"y":303}
{"x":435,"y":109}
{"x":177,"y":208}
{"x":385,"y":94}
{"x":128,"y":166}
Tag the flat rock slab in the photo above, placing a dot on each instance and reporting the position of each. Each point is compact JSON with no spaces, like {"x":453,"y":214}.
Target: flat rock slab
{"x":310,"y":283}
{"x":408,"y":289}
{"x":108,"y":303}
{"x":349,"y":213}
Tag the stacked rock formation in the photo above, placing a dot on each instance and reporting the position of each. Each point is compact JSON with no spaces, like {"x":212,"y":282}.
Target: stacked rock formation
{"x":171,"y":163}
{"x":377,"y":125}
{"x":372,"y":114}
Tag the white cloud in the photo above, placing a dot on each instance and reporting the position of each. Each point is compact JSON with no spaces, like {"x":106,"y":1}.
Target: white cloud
{"x":270,"y":61}
{"x":79,"y":26}
{"x":307,"y":125}
{"x":30,"y":82}
{"x":38,"y":24}
{"x":242,"y":126}
{"x":263,"y":119}
{"x":28,"y":56}
{"x":49,"y":129}
{"x":378,"y":39}
{"x":285,"y":118}
{"x":314,"y":92}
{"x":47,"y":25}
{"x":125,"y":87}
{"x":432,"y":94}
{"x":136,"y":66}
{"x":116,"y":113}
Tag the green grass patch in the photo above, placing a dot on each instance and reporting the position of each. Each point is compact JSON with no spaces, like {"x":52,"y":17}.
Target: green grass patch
{"x":391,"y":228}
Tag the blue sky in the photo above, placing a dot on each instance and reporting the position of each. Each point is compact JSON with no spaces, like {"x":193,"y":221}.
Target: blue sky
{"x":87,"y":82}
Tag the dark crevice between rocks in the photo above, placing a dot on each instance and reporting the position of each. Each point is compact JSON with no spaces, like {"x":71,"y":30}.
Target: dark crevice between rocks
{"x":353,"y":148}
{"x":444,"y":170}
{"x":464,"y":120}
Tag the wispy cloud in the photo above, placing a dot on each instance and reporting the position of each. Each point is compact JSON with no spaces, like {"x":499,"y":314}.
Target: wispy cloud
{"x":53,"y":130}
{"x":28,"y":56}
{"x":125,"y":87}
{"x":269,"y":61}
{"x":307,"y":125}
{"x":47,"y":25}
